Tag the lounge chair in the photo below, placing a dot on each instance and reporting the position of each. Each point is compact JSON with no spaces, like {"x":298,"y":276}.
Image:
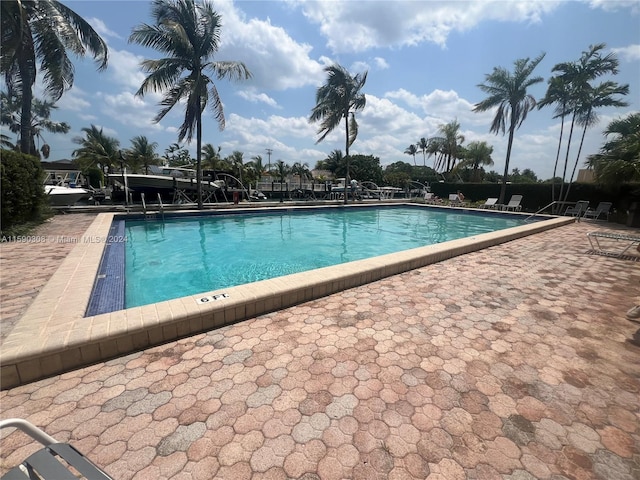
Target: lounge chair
{"x":454,"y":200}
{"x":514,"y":203}
{"x":55,"y":461}
{"x":578,"y":209}
{"x":490,"y":203}
{"x":603,"y":208}
{"x":627,"y":240}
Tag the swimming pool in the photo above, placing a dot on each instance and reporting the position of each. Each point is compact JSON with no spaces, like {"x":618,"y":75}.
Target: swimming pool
{"x":182,"y":256}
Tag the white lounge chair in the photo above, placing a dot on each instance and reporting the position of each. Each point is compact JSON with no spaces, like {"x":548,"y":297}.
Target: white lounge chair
{"x":454,"y":200}
{"x":490,"y":203}
{"x":514,"y":203}
{"x":45,"y":463}
{"x":603,"y":208}
{"x":578,"y":209}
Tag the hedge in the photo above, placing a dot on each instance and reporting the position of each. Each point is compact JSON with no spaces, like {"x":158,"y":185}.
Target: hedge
{"x":23,"y":197}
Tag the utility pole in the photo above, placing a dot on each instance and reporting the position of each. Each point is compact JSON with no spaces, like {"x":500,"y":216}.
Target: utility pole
{"x":269,"y":152}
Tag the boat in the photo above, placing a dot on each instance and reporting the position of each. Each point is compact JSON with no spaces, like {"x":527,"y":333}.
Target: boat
{"x":164,"y":181}
{"x":60,"y":196}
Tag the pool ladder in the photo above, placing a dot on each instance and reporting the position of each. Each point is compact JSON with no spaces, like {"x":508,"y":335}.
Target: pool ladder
{"x":152,"y":215}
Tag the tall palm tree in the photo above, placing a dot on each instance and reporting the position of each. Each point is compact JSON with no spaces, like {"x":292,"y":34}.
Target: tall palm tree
{"x":558,"y":94}
{"x":411,"y":150}
{"x":422,"y":145}
{"x":598,"y":97}
{"x":211,"y":157}
{"x":142,"y":153}
{"x":578,"y":75}
{"x":508,"y":92}
{"x":452,"y":144}
{"x":236,"y":161}
{"x":10,"y":115}
{"x":339,"y":98}
{"x":42,"y":31}
{"x":281,"y":170}
{"x":476,"y":155}
{"x":96,"y":149}
{"x":302,"y":170}
{"x":619,"y":158}
{"x":189,"y":35}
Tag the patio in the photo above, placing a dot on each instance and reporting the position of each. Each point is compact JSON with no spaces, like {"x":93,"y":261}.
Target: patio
{"x":507,"y":363}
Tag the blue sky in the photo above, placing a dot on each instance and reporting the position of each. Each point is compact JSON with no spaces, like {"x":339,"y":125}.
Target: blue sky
{"x":424,"y":61}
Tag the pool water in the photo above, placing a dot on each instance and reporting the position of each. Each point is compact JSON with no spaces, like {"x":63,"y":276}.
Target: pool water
{"x":189,"y":255}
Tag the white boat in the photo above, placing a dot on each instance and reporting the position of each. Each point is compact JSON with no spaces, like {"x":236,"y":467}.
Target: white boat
{"x":166,"y":180}
{"x":60,"y":196}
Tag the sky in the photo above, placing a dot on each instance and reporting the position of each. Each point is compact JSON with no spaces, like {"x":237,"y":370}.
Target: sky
{"x":425,"y":60}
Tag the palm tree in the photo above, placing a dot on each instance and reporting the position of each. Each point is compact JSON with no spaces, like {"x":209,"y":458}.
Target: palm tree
{"x":619,"y":158}
{"x":42,"y":30}
{"x":281,"y":170}
{"x":476,"y":155}
{"x":211,"y":157}
{"x":422,"y":145}
{"x":411,"y":150}
{"x":558,"y":93}
{"x":302,"y":170}
{"x":96,"y":149}
{"x":142,"y":153}
{"x":335,"y":163}
{"x":508,"y":92}
{"x":578,"y":75}
{"x":10,"y":116}
{"x":452,"y":143}
{"x":236,"y":161}
{"x":189,"y":35}
{"x":339,"y":99}
{"x":600,"y":96}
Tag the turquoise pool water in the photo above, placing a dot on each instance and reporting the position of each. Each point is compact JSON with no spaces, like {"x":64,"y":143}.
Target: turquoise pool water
{"x":189,"y":255}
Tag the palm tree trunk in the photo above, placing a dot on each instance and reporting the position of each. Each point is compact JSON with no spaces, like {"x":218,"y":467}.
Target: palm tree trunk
{"x":346,"y":178}
{"x":503,"y":188}
{"x":555,"y":167}
{"x":199,"y":154}
{"x":25,"y":114}
{"x":566,"y":158}
{"x":575,"y":165}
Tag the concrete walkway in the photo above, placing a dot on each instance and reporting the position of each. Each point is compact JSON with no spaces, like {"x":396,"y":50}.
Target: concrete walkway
{"x":508,"y":363}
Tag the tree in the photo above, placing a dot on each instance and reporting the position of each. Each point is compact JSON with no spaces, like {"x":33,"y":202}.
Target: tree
{"x":411,"y":150}
{"x":96,"y":149}
{"x":339,"y":98}
{"x":558,"y":93}
{"x":508,"y":92}
{"x":422,"y":145}
{"x":211,"y":157}
{"x":142,"y":153}
{"x":189,"y":35}
{"x":335,"y":162}
{"x":10,"y":114}
{"x":581,"y":94}
{"x":236,"y":160}
{"x":255,"y":169}
{"x":366,"y":168}
{"x":177,"y":156}
{"x":280,"y":171}
{"x":302,"y":170}
{"x":44,"y":31}
{"x":618,"y":160}
{"x":476,"y":155}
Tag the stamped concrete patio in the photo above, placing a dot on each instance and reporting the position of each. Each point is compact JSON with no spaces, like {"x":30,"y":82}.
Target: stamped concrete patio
{"x":507,"y":363}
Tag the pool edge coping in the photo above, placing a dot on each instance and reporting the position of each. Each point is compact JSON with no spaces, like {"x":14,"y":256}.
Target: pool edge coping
{"x":42,"y":345}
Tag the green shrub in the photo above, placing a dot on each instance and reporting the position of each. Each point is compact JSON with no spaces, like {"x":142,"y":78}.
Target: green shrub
{"x":23,"y":198}
{"x":96,"y":177}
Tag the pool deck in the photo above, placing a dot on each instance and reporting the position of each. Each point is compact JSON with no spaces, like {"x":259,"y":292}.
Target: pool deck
{"x":509,"y":362}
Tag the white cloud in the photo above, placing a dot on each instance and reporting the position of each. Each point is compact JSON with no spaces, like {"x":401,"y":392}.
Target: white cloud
{"x":614,"y":5}
{"x":254,"y":97}
{"x":275,"y":59}
{"x":381,"y":63}
{"x":401,"y":23}
{"x":101,"y":28}
{"x":629,"y":53}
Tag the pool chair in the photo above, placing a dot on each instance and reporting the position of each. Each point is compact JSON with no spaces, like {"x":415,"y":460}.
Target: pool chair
{"x":490,"y":203}
{"x":454,"y":200}
{"x":578,"y":209}
{"x":514,"y":204}
{"x":57,"y":461}
{"x":603,"y":208}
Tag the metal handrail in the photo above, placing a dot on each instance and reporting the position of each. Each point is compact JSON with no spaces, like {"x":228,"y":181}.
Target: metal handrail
{"x":555,"y":202}
{"x":161,"y":205}
{"x":144,"y":204}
